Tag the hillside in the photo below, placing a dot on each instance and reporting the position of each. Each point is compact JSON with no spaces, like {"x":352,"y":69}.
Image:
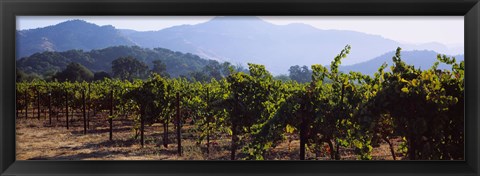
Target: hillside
{"x":74,"y":34}
{"x":100,"y":60}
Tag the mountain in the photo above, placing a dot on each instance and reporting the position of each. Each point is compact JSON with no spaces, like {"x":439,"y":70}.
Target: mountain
{"x":422,"y":59}
{"x":238,"y":40}
{"x":435,"y":46}
{"x":100,"y":60}
{"x":252,"y":40}
{"x":73,"y":34}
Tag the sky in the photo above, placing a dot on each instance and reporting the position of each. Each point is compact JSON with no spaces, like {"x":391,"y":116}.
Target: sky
{"x":448,"y":30}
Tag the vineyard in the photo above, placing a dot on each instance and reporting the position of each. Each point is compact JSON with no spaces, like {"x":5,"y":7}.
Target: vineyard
{"x":252,"y":115}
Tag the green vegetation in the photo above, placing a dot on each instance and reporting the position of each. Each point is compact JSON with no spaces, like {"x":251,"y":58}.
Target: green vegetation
{"x":74,"y":73}
{"x":129,"y":68}
{"x":300,"y":74}
{"x":258,"y":110}
{"x":176,"y":63}
{"x":119,"y":62}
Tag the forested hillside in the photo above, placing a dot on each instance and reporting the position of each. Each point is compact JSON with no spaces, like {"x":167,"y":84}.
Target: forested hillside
{"x":48,"y":63}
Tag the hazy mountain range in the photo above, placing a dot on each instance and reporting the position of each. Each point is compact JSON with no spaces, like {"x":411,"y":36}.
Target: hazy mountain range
{"x":422,"y":59}
{"x":238,"y":40}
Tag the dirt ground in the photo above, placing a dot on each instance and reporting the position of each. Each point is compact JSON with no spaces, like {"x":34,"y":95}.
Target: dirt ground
{"x":39,"y":140}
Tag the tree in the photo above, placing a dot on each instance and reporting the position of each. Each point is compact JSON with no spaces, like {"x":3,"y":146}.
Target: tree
{"x":129,"y":68}
{"x":49,"y":75}
{"x":300,"y":74}
{"x":198,"y":76}
{"x":75,"y":72}
{"x":213,"y":70}
{"x":21,"y":75}
{"x":160,"y":68}
{"x":225,"y":67}
{"x":282,"y":78}
{"x":101,"y":75}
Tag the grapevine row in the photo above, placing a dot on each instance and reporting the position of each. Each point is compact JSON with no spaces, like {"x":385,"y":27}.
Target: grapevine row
{"x":334,"y":110}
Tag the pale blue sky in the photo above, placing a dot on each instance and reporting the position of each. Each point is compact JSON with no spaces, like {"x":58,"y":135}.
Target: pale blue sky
{"x":448,"y":30}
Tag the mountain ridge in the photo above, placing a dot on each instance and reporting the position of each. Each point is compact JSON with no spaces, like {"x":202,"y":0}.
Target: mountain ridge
{"x":238,"y":40}
{"x":422,"y":59}
{"x":97,"y":60}
{"x":78,"y":34}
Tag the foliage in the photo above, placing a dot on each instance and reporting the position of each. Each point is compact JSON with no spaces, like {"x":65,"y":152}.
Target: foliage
{"x":97,"y":60}
{"x":300,"y":74}
{"x":101,"y":75}
{"x":160,"y":68}
{"x":339,"y":110}
{"x":74,"y":72}
{"x":129,"y":68}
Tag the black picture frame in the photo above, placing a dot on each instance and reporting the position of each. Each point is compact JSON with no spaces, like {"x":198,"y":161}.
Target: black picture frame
{"x":470,"y":9}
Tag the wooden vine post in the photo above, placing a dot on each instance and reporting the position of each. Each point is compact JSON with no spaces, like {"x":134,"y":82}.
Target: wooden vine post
{"x":59,"y":98}
{"x":179,"y":140}
{"x":89,"y":106}
{"x":302,"y":139}
{"x":84,"y":113}
{"x":50,"y":106}
{"x":110,"y":118}
{"x":66,"y":107}
{"x":142,"y":123}
{"x":208,"y":123}
{"x":26,"y":103}
{"x":45,"y":111}
{"x":234,"y":130}
{"x":165,"y":133}
{"x":38,"y":102}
